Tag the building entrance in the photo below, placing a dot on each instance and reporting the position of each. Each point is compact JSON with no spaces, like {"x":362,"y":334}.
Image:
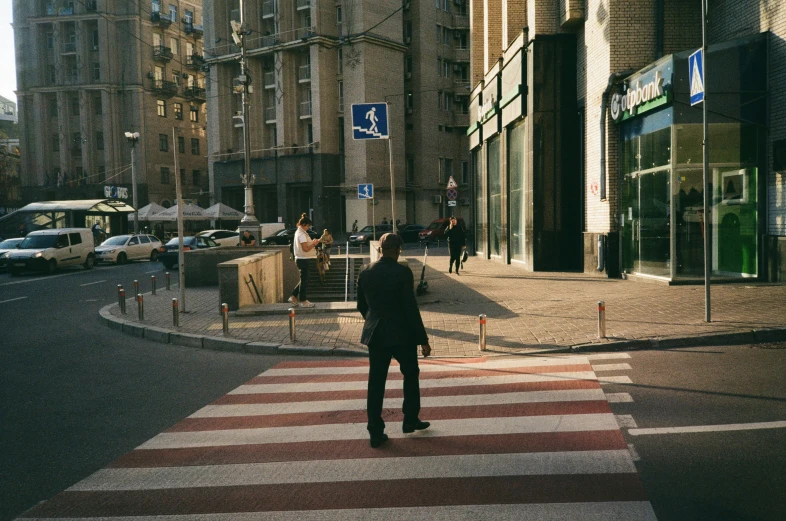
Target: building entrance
{"x":646,"y":226}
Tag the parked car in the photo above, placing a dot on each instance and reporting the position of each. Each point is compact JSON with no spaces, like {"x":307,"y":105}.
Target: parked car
{"x":222,"y":237}
{"x":6,"y":246}
{"x":123,"y":248}
{"x":436,"y":230}
{"x":48,"y":250}
{"x":366,"y":234}
{"x":410,"y":232}
{"x":285,"y":237}
{"x":168,"y":253}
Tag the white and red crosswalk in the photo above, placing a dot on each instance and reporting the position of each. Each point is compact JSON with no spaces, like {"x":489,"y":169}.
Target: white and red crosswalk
{"x":513,"y":438}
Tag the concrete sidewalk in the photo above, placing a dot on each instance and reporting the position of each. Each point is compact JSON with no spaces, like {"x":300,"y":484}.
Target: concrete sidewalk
{"x":527,"y":313}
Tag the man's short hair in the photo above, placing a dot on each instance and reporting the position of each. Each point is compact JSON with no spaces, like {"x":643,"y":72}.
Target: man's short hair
{"x":390,"y":242}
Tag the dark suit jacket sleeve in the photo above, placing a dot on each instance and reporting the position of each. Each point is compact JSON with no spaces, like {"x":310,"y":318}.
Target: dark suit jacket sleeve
{"x":362,"y":303}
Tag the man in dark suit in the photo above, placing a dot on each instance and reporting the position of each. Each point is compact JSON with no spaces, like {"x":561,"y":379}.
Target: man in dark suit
{"x":393,"y":329}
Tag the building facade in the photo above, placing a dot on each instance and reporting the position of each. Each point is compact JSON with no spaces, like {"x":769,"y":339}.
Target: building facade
{"x":88,"y":71}
{"x":309,"y":62}
{"x":587,"y":152}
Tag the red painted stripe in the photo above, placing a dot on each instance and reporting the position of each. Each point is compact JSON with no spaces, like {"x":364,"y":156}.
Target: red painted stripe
{"x":436,"y":375}
{"x":557,"y":385}
{"x":347,"y":495}
{"x":364,"y":363}
{"x":389,"y":415}
{"x":354,"y":449}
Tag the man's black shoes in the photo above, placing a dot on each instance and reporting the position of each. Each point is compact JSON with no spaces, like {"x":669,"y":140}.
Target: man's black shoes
{"x":378,"y":440}
{"x":417,"y":426}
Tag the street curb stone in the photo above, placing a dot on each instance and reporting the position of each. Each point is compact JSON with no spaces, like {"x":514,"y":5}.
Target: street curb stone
{"x":157,"y":334}
{"x":261,"y":348}
{"x":223,"y":344}
{"x":185,"y":339}
{"x":134,"y":329}
{"x":305,"y":350}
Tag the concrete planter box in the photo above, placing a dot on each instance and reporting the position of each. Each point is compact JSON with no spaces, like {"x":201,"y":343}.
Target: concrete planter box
{"x":255,"y":279}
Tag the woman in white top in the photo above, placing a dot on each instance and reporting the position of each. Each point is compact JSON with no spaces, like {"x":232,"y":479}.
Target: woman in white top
{"x":304,"y":248}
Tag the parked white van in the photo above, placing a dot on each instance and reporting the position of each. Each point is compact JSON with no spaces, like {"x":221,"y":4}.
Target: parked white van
{"x":47,"y":250}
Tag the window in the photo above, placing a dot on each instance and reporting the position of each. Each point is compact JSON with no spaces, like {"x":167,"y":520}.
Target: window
{"x":74,"y":106}
{"x":55,"y":143}
{"x":156,"y":7}
{"x":410,"y":100}
{"x":446,"y":6}
{"x":194,"y":114}
{"x":99,"y":140}
{"x":189,"y":48}
{"x":446,"y":69}
{"x":96,"y":71}
{"x":445,"y":169}
{"x":182,"y":177}
{"x":164,"y":175}
{"x":181,"y":144}
{"x":407,"y":30}
{"x":178,"y":110}
{"x":161,"y":108}
{"x":439,"y":67}
{"x":163,"y":143}
{"x":94,"y":39}
{"x":157,"y":40}
{"x":340,"y":60}
{"x":52,"y":73}
{"x":408,"y":64}
{"x":50,"y":40}
{"x":439,"y":99}
{"x":189,"y":16}
{"x":196,"y":177}
{"x":341,"y":95}
{"x":98,"y":105}
{"x":76,"y":143}
{"x":465,"y":172}
{"x":176,"y":78}
{"x":448,"y":103}
{"x":173,"y":13}
{"x":439,"y":33}
{"x":52,"y":108}
{"x":445,"y":35}
{"x":174,"y":44}
{"x":195,"y":146}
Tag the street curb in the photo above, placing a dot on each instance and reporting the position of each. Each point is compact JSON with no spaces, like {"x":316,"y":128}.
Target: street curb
{"x":261,"y":348}
{"x":157,"y":334}
{"x":752,"y":336}
{"x":224,"y":344}
{"x":305,"y":350}
{"x":185,"y":339}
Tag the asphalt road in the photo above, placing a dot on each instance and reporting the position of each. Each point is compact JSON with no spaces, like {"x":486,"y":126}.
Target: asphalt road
{"x":717,"y":475}
{"x":75,"y":394}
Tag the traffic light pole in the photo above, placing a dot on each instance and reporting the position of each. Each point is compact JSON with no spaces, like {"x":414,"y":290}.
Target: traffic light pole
{"x":249,"y":220}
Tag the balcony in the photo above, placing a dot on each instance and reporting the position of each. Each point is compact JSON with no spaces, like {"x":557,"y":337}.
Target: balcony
{"x":91,"y":6}
{"x":268,"y":8}
{"x":460,"y":21}
{"x":305,"y":109}
{"x":303,"y":4}
{"x":461,"y":54}
{"x":304,"y":33}
{"x":162,"y":19}
{"x":304,"y":73}
{"x":461,"y":119}
{"x":197,"y":31}
{"x":270,"y":114}
{"x":66,"y":11}
{"x":461,"y":86}
{"x":270,"y":80}
{"x":196,"y":94}
{"x":162,"y":53}
{"x":164,"y":88}
{"x":195,"y":62}
{"x":69,"y":48}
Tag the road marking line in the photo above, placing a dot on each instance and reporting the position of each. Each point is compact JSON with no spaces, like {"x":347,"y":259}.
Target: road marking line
{"x":611,"y":367}
{"x":11,"y":300}
{"x":606,"y":356}
{"x":625,"y":421}
{"x":633,"y":454}
{"x":154,"y":271}
{"x":619,"y":397}
{"x":614,"y":380}
{"x":710,"y":428}
{"x":91,"y":283}
{"x":40,"y":278}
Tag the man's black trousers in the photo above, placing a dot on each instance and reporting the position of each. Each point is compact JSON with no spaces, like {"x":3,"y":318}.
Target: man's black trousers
{"x":455,"y":256}
{"x":379,"y":361}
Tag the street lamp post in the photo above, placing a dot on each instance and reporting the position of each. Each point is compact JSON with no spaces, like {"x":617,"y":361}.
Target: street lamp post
{"x":133,"y":137}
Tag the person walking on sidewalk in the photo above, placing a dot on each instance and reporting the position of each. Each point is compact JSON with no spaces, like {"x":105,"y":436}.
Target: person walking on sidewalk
{"x":456,"y":242}
{"x":393,"y":328}
{"x":304,"y":248}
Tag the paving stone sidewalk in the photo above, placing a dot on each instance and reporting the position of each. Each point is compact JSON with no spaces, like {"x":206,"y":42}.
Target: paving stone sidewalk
{"x":527,"y":312}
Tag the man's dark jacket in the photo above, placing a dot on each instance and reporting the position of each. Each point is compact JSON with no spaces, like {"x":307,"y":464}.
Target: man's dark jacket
{"x":456,"y":236}
{"x":386,"y":299}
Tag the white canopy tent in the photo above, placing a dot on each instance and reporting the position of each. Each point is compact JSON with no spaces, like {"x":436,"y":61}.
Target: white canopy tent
{"x":146,"y":212}
{"x":222,"y":211}
{"x":191,"y":212}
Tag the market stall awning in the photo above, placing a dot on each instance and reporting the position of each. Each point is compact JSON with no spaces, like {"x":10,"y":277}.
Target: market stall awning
{"x":191,"y":212}
{"x":83,"y":205}
{"x":222,"y":211}
{"x":148,"y":211}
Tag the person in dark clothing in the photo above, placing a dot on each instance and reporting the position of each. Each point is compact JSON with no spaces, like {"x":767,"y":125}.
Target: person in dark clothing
{"x":393,"y":328}
{"x":22,"y":230}
{"x":247,"y":239}
{"x":456,"y":242}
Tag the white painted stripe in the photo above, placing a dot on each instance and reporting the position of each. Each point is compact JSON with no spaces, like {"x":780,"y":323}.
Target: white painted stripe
{"x":591,"y":511}
{"x":424,"y":383}
{"x":610,"y":367}
{"x":12,"y":300}
{"x":614,"y":380}
{"x":710,"y":428}
{"x":262,"y":409}
{"x":633,"y":453}
{"x":42,"y":279}
{"x":91,"y":283}
{"x":619,"y":397}
{"x":155,"y":271}
{"x":607,"y":356}
{"x":372,"y":469}
{"x":428,"y":368}
{"x":626,"y":421}
{"x":354,"y":431}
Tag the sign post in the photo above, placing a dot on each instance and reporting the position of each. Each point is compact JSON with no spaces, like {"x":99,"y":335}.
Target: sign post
{"x":452,"y":194}
{"x":370,"y":121}
{"x":366,"y":191}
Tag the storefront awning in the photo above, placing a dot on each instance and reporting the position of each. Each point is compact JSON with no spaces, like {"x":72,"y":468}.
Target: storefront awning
{"x":84,"y":205}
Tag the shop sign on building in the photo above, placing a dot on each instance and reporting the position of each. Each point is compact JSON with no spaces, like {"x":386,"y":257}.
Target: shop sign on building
{"x":116,"y":192}
{"x":638,"y":97}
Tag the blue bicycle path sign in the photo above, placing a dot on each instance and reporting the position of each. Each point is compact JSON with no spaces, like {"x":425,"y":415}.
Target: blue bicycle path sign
{"x":370,"y":121}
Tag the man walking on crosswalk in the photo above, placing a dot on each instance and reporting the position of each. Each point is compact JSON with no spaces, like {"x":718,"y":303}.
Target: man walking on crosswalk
{"x":393,"y":329}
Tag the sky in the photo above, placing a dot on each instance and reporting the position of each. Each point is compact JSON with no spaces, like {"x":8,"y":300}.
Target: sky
{"x":7,"y":62}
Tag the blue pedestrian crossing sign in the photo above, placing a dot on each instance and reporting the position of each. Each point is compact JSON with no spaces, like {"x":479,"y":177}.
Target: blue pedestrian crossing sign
{"x":370,"y":121}
{"x":696,"y":76}
{"x":366,"y":191}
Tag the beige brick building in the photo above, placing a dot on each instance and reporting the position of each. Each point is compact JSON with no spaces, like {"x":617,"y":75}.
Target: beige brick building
{"x":310,"y":61}
{"x":563,"y":167}
{"x":90,"y":70}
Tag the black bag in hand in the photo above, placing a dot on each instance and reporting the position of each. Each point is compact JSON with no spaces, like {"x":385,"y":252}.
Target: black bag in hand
{"x":465,"y":256}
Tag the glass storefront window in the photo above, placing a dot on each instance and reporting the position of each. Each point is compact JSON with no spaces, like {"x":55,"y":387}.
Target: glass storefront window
{"x":516,"y":179}
{"x":495,"y":196}
{"x":480,"y":219}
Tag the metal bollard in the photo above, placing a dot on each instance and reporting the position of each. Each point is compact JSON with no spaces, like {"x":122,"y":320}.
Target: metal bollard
{"x":122,"y":297}
{"x":339,"y":250}
{"x":140,"y":301}
{"x":292,"y":324}
{"x":175,"y":313}
{"x":482,"y":336}
{"x":225,"y":317}
{"x":153,"y":284}
{"x":167,"y":281}
{"x":601,"y":319}
{"x":136,"y":287}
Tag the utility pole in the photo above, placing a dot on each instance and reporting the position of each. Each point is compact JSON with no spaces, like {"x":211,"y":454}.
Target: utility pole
{"x":242,"y":86}
{"x":706,"y":175}
{"x":133,"y":137}
{"x":181,"y":261}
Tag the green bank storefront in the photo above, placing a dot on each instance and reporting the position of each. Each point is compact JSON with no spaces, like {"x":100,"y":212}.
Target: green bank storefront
{"x":661,"y":190}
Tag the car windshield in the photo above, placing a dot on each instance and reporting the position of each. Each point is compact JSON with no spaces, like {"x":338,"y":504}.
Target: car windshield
{"x":435,"y":225}
{"x":174,"y":242}
{"x":33,"y":242}
{"x":115,"y":241}
{"x":367,"y":228}
{"x":9,"y":243}
{"x":284,"y":232}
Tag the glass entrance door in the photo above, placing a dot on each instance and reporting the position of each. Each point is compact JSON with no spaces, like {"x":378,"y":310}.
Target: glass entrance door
{"x":646,"y":223}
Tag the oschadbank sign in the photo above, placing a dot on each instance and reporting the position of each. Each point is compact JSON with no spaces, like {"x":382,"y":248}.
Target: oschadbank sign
{"x":642,"y":93}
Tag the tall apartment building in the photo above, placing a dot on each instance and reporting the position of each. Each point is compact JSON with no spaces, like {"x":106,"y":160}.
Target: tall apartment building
{"x":88,"y":71}
{"x":309,"y":61}
{"x":587,"y":151}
